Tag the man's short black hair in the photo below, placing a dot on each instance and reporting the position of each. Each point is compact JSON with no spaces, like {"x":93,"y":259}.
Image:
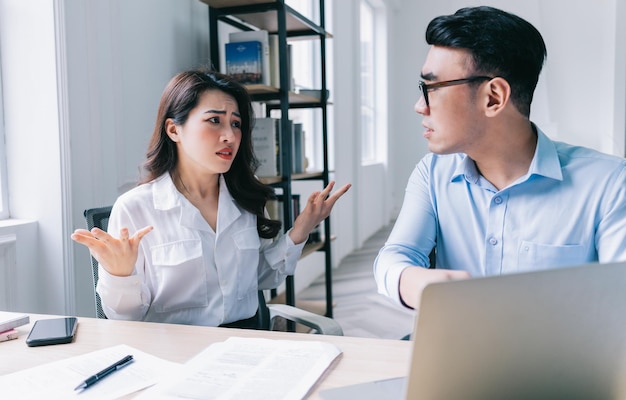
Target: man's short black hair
{"x":501,"y":44}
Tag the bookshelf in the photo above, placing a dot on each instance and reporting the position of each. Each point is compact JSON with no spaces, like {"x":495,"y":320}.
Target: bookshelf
{"x":278,"y":18}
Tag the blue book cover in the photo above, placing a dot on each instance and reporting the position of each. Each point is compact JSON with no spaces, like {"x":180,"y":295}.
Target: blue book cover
{"x":244,"y":62}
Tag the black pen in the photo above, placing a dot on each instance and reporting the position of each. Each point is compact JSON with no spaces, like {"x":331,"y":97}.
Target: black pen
{"x":105,"y":372}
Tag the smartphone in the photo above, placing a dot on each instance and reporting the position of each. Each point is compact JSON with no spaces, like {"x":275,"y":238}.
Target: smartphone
{"x":52,"y":331}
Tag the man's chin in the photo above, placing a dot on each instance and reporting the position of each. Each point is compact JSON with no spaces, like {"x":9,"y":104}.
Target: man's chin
{"x":433,"y":148}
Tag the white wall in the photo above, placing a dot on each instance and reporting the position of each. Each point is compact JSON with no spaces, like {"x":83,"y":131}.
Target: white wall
{"x":368,"y":207}
{"x":120,"y":56}
{"x":80,"y":102}
{"x":32,"y":123}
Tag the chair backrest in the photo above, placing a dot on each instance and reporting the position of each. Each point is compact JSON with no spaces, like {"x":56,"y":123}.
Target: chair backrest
{"x":97,"y":218}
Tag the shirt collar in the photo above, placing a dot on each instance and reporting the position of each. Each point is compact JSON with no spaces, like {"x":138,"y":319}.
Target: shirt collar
{"x":166,"y":197}
{"x":164,"y":193}
{"x":546,"y":159}
{"x":545,"y":162}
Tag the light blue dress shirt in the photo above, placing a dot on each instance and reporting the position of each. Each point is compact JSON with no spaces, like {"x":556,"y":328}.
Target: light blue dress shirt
{"x":569,"y":209}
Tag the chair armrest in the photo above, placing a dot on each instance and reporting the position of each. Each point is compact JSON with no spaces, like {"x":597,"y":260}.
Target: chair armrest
{"x":323,"y":325}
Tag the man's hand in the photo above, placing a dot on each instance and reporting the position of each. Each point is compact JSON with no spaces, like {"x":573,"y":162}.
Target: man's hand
{"x":413,"y":280}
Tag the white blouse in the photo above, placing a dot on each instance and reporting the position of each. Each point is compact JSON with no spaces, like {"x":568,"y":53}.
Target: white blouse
{"x":185,"y":272}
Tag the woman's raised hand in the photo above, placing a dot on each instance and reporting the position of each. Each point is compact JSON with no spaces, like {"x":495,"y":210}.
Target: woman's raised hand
{"x":318,"y":207}
{"x":117,"y":256}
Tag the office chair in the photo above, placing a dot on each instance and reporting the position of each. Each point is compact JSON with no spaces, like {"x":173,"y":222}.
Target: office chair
{"x":266,"y":314}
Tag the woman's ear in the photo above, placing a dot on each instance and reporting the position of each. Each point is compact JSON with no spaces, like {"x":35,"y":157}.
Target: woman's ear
{"x":171,"y":129}
{"x":499,"y":95}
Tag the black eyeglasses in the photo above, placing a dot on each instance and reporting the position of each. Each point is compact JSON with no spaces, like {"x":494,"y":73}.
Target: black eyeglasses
{"x":424,"y":88}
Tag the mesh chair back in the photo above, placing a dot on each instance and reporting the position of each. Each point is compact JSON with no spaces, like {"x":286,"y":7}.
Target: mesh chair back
{"x":97,"y":218}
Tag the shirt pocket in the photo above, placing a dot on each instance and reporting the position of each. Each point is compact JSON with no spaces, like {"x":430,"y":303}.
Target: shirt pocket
{"x":538,"y":256}
{"x":181,"y":276}
{"x":247,"y":245}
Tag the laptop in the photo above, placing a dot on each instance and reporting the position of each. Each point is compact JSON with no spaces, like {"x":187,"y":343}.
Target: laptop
{"x":551,"y":334}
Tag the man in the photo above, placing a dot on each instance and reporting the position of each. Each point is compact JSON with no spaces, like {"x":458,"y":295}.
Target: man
{"x":496,"y":195}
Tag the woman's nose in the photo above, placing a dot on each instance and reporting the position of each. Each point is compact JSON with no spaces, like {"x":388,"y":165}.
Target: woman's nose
{"x":228,"y":134}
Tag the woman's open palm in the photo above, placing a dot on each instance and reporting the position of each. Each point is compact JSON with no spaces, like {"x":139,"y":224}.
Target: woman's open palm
{"x":117,"y":256}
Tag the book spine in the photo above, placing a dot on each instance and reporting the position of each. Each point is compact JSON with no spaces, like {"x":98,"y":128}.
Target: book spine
{"x":298,"y":149}
{"x":275,"y":206}
{"x":274,"y":61}
{"x":265,"y":136}
{"x":9,"y":335}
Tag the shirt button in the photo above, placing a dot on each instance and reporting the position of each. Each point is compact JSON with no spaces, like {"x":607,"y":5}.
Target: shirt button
{"x":493,"y":241}
{"x":498,"y":200}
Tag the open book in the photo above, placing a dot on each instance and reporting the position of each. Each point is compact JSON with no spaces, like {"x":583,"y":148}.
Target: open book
{"x":249,"y":368}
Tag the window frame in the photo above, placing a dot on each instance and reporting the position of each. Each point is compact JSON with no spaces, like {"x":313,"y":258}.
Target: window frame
{"x":4,"y":198}
{"x":373,"y":87}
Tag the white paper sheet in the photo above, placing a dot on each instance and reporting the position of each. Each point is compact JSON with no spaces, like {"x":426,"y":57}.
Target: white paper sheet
{"x":249,"y":368}
{"x":58,"y":379}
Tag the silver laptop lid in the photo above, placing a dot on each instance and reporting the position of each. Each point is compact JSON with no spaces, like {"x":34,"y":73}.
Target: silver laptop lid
{"x":557,"y":334}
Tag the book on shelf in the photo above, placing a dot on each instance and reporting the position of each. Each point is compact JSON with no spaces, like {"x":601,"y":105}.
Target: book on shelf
{"x":299,"y":154}
{"x":274,"y":61}
{"x":244,"y":62}
{"x":315,"y":236}
{"x":262,"y":37}
{"x":266,"y":145}
{"x":9,"y":320}
{"x":9,"y":335}
{"x":292,"y":83}
{"x":275,"y":208}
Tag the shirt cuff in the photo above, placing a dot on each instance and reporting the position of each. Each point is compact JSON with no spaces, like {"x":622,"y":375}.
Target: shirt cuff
{"x":392,"y":283}
{"x":111,"y":285}
{"x":285,"y":254}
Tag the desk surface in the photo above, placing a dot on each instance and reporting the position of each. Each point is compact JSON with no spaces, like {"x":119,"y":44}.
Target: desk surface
{"x":363,"y":359}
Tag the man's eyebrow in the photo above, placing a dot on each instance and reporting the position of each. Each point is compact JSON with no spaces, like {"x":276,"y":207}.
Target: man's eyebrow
{"x":428,"y":76}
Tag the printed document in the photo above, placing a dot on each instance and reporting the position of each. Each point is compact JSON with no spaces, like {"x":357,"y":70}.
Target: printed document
{"x":57,"y":380}
{"x":249,"y":368}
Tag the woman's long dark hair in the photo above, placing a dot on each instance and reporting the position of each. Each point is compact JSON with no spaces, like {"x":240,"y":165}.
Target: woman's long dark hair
{"x":179,"y":97}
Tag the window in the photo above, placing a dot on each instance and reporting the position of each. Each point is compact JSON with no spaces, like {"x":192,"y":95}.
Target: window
{"x":4,"y":203}
{"x":305,"y":61}
{"x":373,"y":89}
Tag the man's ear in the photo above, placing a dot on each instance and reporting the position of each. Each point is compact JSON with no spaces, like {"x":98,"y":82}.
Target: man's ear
{"x":498,"y":95}
{"x":171,"y":129}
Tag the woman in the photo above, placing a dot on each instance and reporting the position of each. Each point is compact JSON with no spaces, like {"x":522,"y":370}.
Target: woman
{"x":202,"y":245}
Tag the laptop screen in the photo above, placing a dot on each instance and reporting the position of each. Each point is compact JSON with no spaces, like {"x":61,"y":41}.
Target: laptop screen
{"x":556,"y":334}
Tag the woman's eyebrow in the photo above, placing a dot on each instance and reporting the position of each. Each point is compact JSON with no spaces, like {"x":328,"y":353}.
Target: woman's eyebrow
{"x":236,"y":114}
{"x":221,"y":112}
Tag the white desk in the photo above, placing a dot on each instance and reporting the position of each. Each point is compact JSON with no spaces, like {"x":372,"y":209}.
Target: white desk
{"x":363,"y":359}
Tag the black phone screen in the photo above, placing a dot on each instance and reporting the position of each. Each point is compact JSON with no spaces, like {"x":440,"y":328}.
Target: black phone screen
{"x":52,"y":331}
